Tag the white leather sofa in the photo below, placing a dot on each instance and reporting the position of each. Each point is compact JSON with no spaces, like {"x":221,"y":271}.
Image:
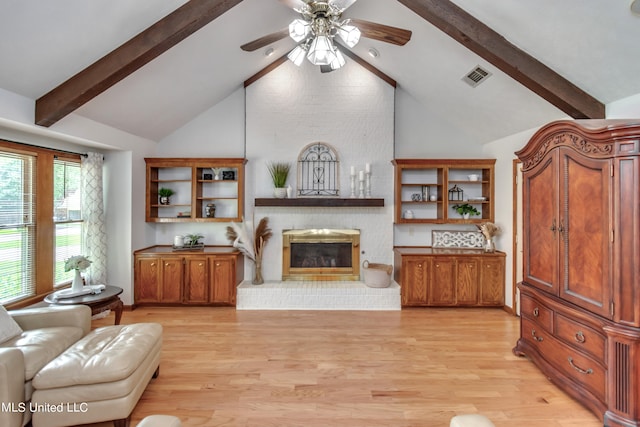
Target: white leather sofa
{"x":47,"y":332}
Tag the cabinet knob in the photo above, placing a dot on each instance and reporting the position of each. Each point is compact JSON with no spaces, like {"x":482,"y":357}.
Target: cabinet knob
{"x":419,"y":265}
{"x":153,"y":264}
{"x":580,"y":337}
{"x":217,"y":264}
{"x":536,"y":312}
{"x":437,"y":265}
{"x":167,"y":264}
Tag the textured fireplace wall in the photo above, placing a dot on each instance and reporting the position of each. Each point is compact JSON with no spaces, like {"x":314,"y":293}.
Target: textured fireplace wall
{"x":350,"y":109}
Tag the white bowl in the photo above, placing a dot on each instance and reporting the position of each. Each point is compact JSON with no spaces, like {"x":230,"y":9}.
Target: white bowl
{"x":473,"y":177}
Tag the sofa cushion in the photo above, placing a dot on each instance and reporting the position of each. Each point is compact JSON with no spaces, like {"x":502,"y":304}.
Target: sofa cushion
{"x":8,"y":327}
{"x":107,"y":354}
{"x":40,"y":346}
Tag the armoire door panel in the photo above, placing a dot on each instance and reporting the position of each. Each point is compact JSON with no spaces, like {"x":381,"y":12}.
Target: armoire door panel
{"x":585,"y":223}
{"x":541,"y":226}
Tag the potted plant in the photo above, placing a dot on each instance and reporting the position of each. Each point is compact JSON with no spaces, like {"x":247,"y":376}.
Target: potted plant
{"x":279,"y":172}
{"x":193,"y":239}
{"x":466,"y":210}
{"x":164,"y":194}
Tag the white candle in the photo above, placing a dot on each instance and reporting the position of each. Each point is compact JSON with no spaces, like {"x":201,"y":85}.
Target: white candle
{"x":361,"y":175}
{"x":353,"y":170}
{"x":367,"y":167}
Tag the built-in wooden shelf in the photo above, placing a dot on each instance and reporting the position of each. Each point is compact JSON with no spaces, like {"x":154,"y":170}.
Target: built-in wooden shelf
{"x":321,"y":202}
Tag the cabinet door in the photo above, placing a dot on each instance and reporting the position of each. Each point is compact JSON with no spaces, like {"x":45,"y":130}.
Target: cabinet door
{"x":541,"y":224}
{"x":172,"y":272}
{"x":222,"y":280}
{"x":467,"y":281}
{"x":147,"y":280}
{"x":415,"y":276}
{"x":196,"y":280}
{"x":584,"y":231}
{"x":442,"y":286}
{"x":492,"y":281}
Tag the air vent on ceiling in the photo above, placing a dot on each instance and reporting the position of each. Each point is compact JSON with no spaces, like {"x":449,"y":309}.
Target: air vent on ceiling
{"x":476,"y":76}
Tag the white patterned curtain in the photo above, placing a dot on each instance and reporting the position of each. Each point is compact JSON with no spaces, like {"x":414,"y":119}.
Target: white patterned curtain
{"x":95,"y":235}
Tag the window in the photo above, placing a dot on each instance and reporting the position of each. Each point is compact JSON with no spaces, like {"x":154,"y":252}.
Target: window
{"x":17,"y":226}
{"x":67,"y":216}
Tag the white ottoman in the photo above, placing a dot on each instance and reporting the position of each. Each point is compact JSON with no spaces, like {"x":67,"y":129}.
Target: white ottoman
{"x":471,"y":420}
{"x":99,"y":378}
{"x":160,"y":421}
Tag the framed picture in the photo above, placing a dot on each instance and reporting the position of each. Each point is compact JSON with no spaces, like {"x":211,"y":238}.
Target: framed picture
{"x":207,"y":176}
{"x":228,"y":175}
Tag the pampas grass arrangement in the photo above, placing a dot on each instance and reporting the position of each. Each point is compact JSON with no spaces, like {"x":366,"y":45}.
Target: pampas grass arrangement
{"x":251,"y":242}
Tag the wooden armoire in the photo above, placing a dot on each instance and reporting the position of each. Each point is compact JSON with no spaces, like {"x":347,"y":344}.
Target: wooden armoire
{"x":580,"y":294}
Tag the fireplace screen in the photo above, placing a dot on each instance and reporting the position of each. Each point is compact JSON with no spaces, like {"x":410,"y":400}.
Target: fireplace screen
{"x":310,"y":255}
{"x":320,"y":254}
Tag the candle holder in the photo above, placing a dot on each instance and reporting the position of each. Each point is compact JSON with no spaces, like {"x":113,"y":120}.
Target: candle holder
{"x":368,"y":185}
{"x":361,"y":196}
{"x":353,"y":185}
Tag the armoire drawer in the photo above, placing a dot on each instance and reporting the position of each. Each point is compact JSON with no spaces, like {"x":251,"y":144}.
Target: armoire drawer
{"x":531,"y":308}
{"x":583,"y":370}
{"x":581,"y":337}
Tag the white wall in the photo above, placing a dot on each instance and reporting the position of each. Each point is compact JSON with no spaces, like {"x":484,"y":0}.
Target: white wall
{"x":624,"y":108}
{"x":350,"y":109}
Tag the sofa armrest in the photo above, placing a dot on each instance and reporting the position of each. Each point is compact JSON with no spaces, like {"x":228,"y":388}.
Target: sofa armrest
{"x":47,"y":317}
{"x":12,"y":387}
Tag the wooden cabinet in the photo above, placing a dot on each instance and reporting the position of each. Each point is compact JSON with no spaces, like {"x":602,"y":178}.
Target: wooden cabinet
{"x":569,"y":218}
{"x":450,"y":277}
{"x":196,"y":280}
{"x":223,"y":287}
{"x":205,"y":189}
{"x":429,"y":188}
{"x":580,"y":319}
{"x":159,"y":279}
{"x":209,"y":277}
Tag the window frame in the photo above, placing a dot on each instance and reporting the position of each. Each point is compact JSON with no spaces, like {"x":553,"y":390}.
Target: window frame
{"x":56,"y":223}
{"x":45,"y":227}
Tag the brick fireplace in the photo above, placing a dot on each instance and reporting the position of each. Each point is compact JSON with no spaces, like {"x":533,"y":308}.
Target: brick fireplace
{"x":321,"y":254}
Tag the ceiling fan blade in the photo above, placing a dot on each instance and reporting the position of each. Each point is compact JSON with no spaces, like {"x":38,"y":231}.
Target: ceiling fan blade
{"x":265,"y":40}
{"x":342,"y":5}
{"x":297,"y":5}
{"x":384,"y":33}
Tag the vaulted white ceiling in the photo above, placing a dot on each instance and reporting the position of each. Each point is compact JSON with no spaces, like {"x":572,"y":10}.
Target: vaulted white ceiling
{"x":592,"y":43}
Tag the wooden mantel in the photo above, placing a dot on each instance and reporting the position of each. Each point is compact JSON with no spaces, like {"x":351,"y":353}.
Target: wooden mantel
{"x":320,"y":202}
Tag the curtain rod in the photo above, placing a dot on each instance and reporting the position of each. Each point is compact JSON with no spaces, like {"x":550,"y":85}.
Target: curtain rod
{"x":46,"y":148}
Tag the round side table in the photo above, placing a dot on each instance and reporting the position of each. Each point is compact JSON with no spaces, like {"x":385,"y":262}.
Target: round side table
{"x":108,"y":299}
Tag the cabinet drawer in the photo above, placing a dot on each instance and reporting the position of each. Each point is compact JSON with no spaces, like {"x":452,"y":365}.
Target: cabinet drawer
{"x":584,"y":371}
{"x":581,"y":337}
{"x":530,"y":307}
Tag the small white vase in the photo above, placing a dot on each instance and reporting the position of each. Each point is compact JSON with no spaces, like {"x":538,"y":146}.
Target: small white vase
{"x":280,"y":193}
{"x":77,"y":284}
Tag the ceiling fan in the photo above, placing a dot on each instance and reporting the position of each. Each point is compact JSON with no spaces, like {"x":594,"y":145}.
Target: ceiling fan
{"x":315,"y":32}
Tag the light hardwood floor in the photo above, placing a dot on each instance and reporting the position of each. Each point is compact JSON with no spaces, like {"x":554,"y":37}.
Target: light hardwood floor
{"x":416,"y":367}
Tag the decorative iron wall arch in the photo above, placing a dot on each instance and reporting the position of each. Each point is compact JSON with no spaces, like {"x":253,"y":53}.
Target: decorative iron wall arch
{"x":318,"y":171}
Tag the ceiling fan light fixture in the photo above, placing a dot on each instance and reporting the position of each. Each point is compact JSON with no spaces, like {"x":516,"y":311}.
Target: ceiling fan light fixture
{"x":349,"y":34}
{"x":321,"y":51}
{"x":339,"y":61}
{"x":299,"y":30}
{"x":297,"y":55}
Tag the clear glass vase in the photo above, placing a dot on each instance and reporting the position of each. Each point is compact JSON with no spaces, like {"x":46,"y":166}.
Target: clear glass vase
{"x":489,"y":246}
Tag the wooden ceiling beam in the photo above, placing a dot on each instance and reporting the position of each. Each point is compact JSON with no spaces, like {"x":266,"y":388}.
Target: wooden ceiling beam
{"x":127,"y":58}
{"x":494,"y":48}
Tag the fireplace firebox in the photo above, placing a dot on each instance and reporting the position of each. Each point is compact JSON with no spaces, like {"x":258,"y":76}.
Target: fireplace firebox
{"x":321,"y":254}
